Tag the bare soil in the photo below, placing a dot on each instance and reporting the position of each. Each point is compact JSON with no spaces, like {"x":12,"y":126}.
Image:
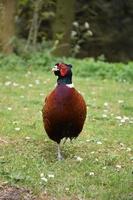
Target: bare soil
{"x":15,"y":193}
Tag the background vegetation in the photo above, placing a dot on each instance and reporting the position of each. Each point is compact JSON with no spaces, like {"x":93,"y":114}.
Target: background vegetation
{"x":94,"y":36}
{"x":74,"y":28}
{"x":87,"y":67}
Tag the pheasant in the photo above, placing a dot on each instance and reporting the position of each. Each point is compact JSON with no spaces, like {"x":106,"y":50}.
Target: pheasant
{"x":64,"y":110}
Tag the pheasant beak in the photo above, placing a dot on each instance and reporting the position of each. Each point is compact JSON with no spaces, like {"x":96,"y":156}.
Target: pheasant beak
{"x":55,"y":68}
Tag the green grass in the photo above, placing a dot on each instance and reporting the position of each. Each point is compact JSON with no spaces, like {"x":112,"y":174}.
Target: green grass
{"x":87,"y":67}
{"x":105,"y":145}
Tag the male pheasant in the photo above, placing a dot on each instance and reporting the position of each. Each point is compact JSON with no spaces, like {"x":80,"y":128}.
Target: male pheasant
{"x":64,"y":110}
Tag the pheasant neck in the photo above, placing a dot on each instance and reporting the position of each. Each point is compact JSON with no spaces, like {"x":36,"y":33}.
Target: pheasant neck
{"x":64,"y":80}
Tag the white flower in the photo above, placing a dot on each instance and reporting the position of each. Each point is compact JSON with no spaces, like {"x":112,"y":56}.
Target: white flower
{"x":121,"y":144}
{"x":9,"y":108}
{"x":44,"y":179}
{"x":105,"y":110}
{"x":37,"y":82}
{"x":41,"y":175}
{"x":92,"y":152}
{"x":87,"y":26}
{"x":104,"y":167}
{"x":125,"y":117}
{"x":99,"y":142}
{"x":30,"y":85}
{"x":120,"y":101}
{"x":118,"y":166}
{"x":51,"y":175}
{"x":106,"y":104}
{"x":15,"y":84}
{"x":17,"y":129}
{"x":89,"y":32}
{"x":104,"y":115}
{"x":77,"y":47}
{"x":128,"y":149}
{"x":7,"y":83}
{"x":118,"y":117}
{"x":73,"y":34}
{"x":91,"y":174}
{"x":75,"y":24}
{"x":15,"y":122}
{"x":78,"y":158}
{"x":88,"y":140}
{"x":27,"y":138}
{"x":41,"y":94}
{"x":122,"y":120}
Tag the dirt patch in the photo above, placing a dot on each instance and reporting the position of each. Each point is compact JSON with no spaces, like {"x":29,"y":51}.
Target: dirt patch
{"x":15,"y":193}
{"x":3,"y":141}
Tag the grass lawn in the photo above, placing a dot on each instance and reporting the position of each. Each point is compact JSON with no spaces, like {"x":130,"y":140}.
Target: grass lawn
{"x":97,"y":165}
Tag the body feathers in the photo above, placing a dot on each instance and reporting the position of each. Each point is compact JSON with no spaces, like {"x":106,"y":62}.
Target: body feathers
{"x":64,"y":113}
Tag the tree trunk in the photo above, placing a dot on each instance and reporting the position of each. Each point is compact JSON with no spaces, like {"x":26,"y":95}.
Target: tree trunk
{"x":63,"y":26}
{"x":7,"y":25}
{"x":33,"y":32}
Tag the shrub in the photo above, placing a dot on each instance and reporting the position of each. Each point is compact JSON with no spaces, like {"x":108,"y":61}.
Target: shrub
{"x":87,"y":67}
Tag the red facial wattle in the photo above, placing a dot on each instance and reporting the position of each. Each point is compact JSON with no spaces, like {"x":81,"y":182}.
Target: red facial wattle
{"x":62,"y":68}
{"x":63,"y":71}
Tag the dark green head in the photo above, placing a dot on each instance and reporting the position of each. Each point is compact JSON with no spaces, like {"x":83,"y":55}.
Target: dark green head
{"x":64,"y":73}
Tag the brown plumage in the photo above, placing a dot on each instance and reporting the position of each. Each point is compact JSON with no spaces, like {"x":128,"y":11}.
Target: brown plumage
{"x":64,"y":111}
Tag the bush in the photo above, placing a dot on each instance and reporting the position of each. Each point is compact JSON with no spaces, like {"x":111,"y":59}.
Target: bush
{"x":11,"y":62}
{"x":87,"y":67}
